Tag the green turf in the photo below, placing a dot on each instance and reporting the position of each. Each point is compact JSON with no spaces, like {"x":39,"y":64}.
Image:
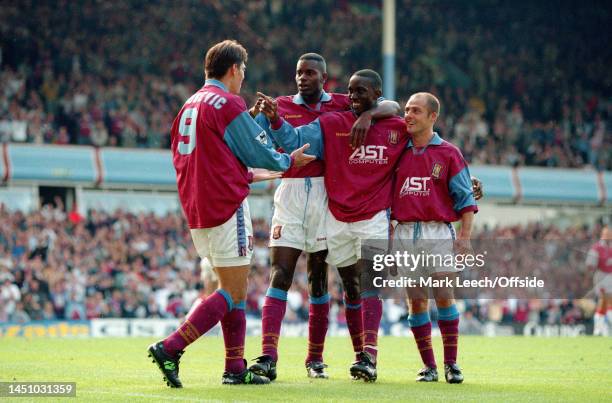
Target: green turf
{"x":496,"y":369}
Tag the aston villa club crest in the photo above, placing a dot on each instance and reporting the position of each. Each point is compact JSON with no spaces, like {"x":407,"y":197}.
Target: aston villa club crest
{"x":435,"y":172}
{"x":276,"y":234}
{"x":393,"y":137}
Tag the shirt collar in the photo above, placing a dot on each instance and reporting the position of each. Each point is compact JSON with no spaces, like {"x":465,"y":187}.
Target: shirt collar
{"x":436,"y":140}
{"x":297,"y":98}
{"x":216,"y":83}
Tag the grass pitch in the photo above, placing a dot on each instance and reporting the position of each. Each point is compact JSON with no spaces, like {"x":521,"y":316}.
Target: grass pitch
{"x":495,"y":369}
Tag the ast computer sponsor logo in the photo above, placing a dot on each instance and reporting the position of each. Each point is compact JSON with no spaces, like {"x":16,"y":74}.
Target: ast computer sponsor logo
{"x":370,"y":154}
{"x":416,"y":186}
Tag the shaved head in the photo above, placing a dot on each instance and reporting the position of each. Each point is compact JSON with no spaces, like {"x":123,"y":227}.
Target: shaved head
{"x":431,"y":102}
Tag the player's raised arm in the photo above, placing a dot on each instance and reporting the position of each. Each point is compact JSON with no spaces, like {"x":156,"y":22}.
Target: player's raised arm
{"x":288,"y":137}
{"x":249,"y":142}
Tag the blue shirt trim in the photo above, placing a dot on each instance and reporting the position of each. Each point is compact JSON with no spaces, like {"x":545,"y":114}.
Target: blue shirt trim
{"x":216,"y":83}
{"x":291,"y":138}
{"x":436,"y":140}
{"x":250,"y":144}
{"x":460,"y":188}
{"x":298,"y":100}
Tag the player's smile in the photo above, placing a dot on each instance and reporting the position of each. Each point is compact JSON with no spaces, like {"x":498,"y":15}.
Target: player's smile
{"x":361,"y":94}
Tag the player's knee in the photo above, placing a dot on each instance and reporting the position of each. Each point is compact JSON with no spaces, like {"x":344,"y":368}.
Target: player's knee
{"x":444,"y":302}
{"x":281,"y":277}
{"x":352,"y":293}
{"x":443,"y":295}
{"x":236,"y":290}
{"x":352,"y":288}
{"x":317,"y":289}
{"x":316,"y":261}
{"x":238,"y":296}
{"x":317,"y":283}
{"x":418,"y":305}
{"x":350,"y":281}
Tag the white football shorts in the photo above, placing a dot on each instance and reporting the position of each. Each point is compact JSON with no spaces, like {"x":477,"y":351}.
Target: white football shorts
{"x":228,"y":244}
{"x":345,"y":239}
{"x":300,"y":205}
{"x":432,"y":240}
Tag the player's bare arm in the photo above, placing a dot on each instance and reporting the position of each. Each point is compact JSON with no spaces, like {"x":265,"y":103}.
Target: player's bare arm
{"x":383,"y":109}
{"x":463,"y":244}
{"x":262,"y":174}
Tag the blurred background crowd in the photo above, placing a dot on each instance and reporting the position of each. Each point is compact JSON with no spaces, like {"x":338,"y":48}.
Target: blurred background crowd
{"x":59,"y":265}
{"x":524,"y":83}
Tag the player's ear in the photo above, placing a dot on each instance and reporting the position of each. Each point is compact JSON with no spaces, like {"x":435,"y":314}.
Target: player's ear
{"x":324,"y":78}
{"x":433,"y":116}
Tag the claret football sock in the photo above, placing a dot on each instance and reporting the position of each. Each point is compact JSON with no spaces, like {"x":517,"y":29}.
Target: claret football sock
{"x":273,"y":313}
{"x":371,"y":310}
{"x":233,"y":325}
{"x":420,"y":324}
{"x":448,"y":322}
{"x":354,"y":322}
{"x":318,"y":322}
{"x":203,"y":318}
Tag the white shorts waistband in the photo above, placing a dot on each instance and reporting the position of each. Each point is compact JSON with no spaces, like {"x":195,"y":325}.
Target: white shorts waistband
{"x":315,"y":179}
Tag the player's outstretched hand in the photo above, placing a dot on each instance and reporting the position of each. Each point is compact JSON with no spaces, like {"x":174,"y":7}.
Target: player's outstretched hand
{"x":360,"y":129}
{"x":268,"y":106}
{"x":477,"y":188}
{"x":262,"y":174}
{"x":299,"y":158}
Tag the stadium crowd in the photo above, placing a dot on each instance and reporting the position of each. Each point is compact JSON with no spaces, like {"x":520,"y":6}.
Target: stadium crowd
{"x":58,"y":265}
{"x":522,"y":84}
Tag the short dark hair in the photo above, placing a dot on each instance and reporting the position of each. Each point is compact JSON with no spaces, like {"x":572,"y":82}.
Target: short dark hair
{"x":316,"y":58}
{"x":371,"y":75}
{"x":222,"y":56}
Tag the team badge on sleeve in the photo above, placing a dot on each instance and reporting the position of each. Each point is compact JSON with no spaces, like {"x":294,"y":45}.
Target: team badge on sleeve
{"x":276,"y":234}
{"x":262,"y":138}
{"x":435,"y":172}
{"x":393,"y":137}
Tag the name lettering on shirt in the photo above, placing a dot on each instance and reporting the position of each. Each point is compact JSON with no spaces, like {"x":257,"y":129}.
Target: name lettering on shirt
{"x":212,"y":99}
